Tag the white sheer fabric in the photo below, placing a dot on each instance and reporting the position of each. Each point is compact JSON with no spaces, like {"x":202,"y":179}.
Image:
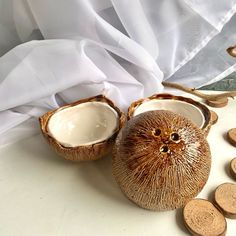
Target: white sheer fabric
{"x":123,"y":49}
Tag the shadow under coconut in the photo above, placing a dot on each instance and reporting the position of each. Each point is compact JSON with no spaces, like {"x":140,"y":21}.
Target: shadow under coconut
{"x":180,"y":220}
{"x":39,"y":148}
{"x":98,"y":174}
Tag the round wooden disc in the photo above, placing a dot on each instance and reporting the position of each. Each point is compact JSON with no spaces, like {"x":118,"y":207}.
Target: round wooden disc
{"x":232,"y":51}
{"x":214,"y":117}
{"x":233,"y":168}
{"x":225,"y":198}
{"x":231,"y":136}
{"x":203,"y":218}
{"x":222,"y":102}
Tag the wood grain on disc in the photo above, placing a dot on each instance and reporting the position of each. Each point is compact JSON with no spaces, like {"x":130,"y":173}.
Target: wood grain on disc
{"x":225,"y":198}
{"x":214,"y":117}
{"x":222,"y":102}
{"x":203,"y":218}
{"x":231,"y":136}
{"x":233,"y":168}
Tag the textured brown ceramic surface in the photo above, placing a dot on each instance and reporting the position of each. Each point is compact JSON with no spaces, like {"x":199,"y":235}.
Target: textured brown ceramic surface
{"x":161,"y":160}
{"x":201,"y":217}
{"x":85,"y":152}
{"x":206,"y":112}
{"x":225,"y":198}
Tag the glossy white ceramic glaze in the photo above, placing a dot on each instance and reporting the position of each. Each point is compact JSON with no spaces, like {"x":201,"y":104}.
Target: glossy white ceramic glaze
{"x":182,"y":108}
{"x":83,"y":124}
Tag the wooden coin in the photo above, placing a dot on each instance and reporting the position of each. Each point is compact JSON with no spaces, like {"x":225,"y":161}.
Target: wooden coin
{"x":233,"y":168}
{"x":201,"y":217}
{"x":232,"y":51}
{"x":225,"y":198}
{"x":214,"y":117}
{"x":231,"y":136}
{"x":222,"y":102}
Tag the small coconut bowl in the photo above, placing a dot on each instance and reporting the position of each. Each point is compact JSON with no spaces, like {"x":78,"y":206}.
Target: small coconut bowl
{"x":198,"y":113}
{"x":84,"y":130}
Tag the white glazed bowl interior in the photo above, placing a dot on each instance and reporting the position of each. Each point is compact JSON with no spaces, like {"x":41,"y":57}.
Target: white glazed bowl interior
{"x":83,"y":124}
{"x":180,"y":107}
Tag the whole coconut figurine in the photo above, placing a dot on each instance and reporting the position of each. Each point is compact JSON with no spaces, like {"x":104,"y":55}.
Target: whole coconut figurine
{"x":161,"y":160}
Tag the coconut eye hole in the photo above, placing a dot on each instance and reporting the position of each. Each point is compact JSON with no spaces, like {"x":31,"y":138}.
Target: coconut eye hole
{"x":174,"y":137}
{"x":164,"y":149}
{"x":157,"y":132}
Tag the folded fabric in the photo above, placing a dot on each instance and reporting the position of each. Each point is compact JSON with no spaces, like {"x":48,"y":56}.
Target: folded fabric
{"x":72,"y":49}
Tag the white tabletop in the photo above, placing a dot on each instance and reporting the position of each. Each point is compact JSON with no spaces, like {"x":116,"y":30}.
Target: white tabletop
{"x":43,"y":195}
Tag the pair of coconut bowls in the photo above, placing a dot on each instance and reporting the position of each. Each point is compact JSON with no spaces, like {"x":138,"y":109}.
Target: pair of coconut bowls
{"x":161,"y":158}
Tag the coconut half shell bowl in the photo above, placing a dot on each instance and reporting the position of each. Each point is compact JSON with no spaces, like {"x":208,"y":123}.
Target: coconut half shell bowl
{"x":83,"y":130}
{"x":187,"y":107}
{"x":161,"y":160}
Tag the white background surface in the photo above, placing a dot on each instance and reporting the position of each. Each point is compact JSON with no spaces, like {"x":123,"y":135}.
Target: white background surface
{"x":41,"y":194}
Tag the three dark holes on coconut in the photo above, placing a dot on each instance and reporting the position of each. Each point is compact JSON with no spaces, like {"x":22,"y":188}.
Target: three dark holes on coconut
{"x":174,"y":137}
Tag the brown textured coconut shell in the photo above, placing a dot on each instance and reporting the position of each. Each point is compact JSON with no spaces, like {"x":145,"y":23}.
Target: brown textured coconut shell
{"x":225,"y":198}
{"x":233,"y":168}
{"x":201,"y":217}
{"x":206,"y":112}
{"x":85,"y":152}
{"x":161,"y":160}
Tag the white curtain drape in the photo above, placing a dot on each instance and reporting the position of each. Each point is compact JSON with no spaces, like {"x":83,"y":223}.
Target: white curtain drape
{"x":57,"y":51}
